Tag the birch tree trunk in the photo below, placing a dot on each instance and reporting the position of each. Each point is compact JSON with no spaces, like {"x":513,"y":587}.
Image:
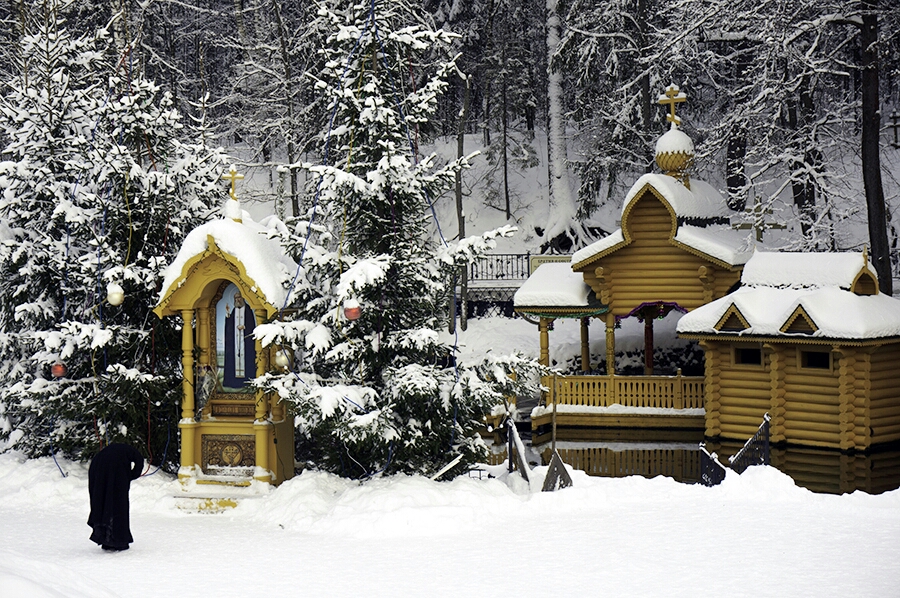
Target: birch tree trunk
{"x":562,"y":205}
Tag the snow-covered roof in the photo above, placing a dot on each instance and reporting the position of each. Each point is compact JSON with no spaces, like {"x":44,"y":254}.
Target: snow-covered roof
{"x":701,"y":201}
{"x":553,"y":285}
{"x":720,"y":242}
{"x":674,"y":141}
{"x":776,"y":285}
{"x":249,"y":242}
{"x":803,"y":270}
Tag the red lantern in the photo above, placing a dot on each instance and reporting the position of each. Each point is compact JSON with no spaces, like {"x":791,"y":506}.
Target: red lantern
{"x":352,"y":310}
{"x":58,"y":369}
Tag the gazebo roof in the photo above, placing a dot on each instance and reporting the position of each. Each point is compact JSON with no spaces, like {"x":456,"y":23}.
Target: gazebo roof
{"x":247,"y":246}
{"x":554,"y":289}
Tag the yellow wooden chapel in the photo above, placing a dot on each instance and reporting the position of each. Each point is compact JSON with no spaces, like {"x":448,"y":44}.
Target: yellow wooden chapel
{"x":222,"y":284}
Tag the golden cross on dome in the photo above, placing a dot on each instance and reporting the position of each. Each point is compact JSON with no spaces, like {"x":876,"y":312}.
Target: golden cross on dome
{"x":672,"y":96}
{"x":233,"y":176}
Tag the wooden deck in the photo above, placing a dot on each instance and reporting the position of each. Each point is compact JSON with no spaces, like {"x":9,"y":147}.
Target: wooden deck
{"x":622,"y":402}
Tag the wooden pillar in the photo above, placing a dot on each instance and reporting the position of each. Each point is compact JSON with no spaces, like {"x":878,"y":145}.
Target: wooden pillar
{"x":610,"y":344}
{"x":585,"y":346}
{"x":712,"y":389}
{"x":187,"y":425}
{"x":262,"y":425}
{"x":203,"y":336}
{"x":777,"y":391}
{"x":648,"y":345}
{"x":853,"y":391}
{"x":544,"y":328}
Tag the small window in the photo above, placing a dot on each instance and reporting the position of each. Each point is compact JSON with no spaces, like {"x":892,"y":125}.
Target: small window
{"x":817,"y":360}
{"x":747,"y":356}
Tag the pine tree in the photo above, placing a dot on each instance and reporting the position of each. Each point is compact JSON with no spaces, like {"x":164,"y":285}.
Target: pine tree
{"x":381,"y":393}
{"x":97,"y":193}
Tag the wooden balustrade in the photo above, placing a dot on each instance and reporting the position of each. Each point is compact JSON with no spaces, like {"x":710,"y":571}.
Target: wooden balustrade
{"x":664,"y":392}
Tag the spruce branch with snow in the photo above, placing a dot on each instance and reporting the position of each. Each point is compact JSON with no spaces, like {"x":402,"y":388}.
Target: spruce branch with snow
{"x":381,"y":392}
{"x":97,"y":193}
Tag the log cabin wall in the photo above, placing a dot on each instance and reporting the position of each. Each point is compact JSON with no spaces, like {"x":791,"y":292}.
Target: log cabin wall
{"x":652,"y":267}
{"x":812,"y":397}
{"x":744,"y":389}
{"x":884,"y":398}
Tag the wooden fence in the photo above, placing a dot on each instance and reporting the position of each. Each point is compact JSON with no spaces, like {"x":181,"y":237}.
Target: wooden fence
{"x":665,"y":392}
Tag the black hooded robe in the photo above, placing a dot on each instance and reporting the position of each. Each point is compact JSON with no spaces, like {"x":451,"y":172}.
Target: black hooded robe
{"x":109,"y":477}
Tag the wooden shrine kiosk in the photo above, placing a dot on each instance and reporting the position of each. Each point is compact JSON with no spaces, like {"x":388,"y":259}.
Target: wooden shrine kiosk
{"x":227,"y":279}
{"x":809,"y":340}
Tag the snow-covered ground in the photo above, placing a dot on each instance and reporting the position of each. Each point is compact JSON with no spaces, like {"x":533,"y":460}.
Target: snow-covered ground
{"x":757,"y":534}
{"x":318,"y":535}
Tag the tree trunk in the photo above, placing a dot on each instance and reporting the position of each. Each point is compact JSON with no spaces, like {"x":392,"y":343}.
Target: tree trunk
{"x":460,"y":212}
{"x":505,"y":144}
{"x":871,"y":158}
{"x":289,"y":102}
{"x":562,"y":206}
{"x":735,"y":179}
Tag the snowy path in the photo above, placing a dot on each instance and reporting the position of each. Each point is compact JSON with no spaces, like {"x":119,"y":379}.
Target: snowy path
{"x":755,"y":535}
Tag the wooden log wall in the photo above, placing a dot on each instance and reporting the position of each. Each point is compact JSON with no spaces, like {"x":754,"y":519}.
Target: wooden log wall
{"x":745,"y":395}
{"x":652,"y":268}
{"x":884,"y":394}
{"x":713,"y":391}
{"x":812,"y":402}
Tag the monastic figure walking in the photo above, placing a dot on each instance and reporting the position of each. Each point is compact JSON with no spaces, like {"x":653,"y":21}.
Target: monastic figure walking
{"x":109,"y":478}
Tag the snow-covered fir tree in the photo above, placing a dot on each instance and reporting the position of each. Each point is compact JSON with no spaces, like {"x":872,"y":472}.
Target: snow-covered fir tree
{"x":96,"y":193}
{"x":382,"y":393}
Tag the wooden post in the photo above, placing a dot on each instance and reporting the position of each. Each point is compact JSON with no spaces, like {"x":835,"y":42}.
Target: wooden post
{"x":648,"y":345}
{"x":187,"y":425}
{"x":585,"y":346}
{"x":610,"y":344}
{"x":544,"y":327}
{"x":553,"y":418}
{"x":261,"y":424}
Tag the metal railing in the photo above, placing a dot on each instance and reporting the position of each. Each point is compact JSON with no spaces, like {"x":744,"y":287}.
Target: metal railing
{"x":500,"y":267}
{"x":755,"y":451}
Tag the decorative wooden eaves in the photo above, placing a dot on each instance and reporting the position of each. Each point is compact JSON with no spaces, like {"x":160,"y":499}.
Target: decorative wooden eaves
{"x":799,"y":323}
{"x":865,"y":283}
{"x":732,"y":321}
{"x":201,"y":278}
{"x":673,"y":230}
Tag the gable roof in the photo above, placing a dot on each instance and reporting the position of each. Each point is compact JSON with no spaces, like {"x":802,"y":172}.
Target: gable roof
{"x":247,"y":243}
{"x":803,"y":296}
{"x":700,"y":202}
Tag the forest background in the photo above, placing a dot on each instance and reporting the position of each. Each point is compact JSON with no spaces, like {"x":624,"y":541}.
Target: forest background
{"x":791,"y":110}
{"x":781,"y":96}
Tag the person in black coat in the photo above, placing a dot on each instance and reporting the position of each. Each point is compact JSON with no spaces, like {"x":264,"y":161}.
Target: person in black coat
{"x":109,"y":477}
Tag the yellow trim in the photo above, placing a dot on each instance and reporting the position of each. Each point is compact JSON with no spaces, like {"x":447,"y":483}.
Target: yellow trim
{"x":732,"y":311}
{"x":192,"y":288}
{"x":867,"y":273}
{"x":799,"y":313}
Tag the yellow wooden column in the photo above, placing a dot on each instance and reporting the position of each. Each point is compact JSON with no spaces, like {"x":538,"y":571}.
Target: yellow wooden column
{"x":778,"y":405}
{"x":585,"y":346}
{"x":187,"y":425}
{"x":610,"y":344}
{"x":544,"y":328}
{"x":203,"y":336}
{"x":261,"y":424}
{"x":712,"y":389}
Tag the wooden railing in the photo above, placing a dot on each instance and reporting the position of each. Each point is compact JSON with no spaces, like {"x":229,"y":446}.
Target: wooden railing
{"x":666,"y":392}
